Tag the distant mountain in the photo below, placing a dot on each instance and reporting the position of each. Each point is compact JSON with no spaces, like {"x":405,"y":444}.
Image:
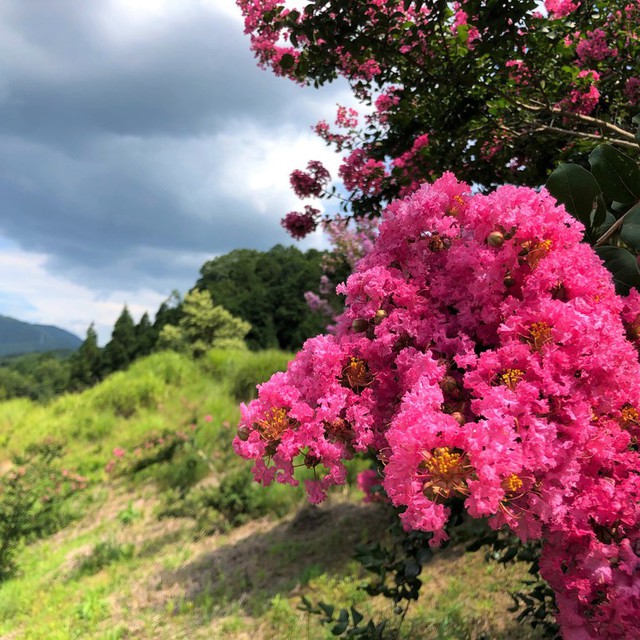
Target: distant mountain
{"x":18,"y":337}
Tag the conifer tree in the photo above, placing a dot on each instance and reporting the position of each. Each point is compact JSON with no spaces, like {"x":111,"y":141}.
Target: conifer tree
{"x":120,"y":350}
{"x":168,"y":312}
{"x":146,"y":336}
{"x":87,"y":362}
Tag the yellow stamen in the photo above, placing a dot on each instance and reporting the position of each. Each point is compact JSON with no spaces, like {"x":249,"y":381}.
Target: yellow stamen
{"x":511,"y":377}
{"x":356,"y":374}
{"x":537,"y":251}
{"x":339,"y":430}
{"x":455,"y":208}
{"x":539,"y":335}
{"x":629,"y":414}
{"x":512,"y":484}
{"x":448,"y":471}
{"x":276,"y":422}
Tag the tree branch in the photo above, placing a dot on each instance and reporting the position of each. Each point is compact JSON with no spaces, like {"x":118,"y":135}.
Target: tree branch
{"x":583,"y":118}
{"x":610,"y":231}
{"x":591,"y":136}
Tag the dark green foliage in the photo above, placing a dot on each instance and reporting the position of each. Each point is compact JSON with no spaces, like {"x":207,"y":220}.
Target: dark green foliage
{"x":14,"y":385}
{"x":155,"y":449}
{"x":120,"y":350}
{"x":463,"y":97}
{"x":607,"y":201}
{"x":267,"y":290}
{"x":146,"y":337}
{"x":38,"y":376}
{"x":168,"y":312}
{"x":51,"y":377}
{"x":535,"y":603}
{"x":396,"y":565}
{"x":395,"y":568}
{"x":102,"y":555}
{"x":346,"y":623}
{"x":236,"y":500}
{"x":87,"y":362}
{"x":242,"y":371}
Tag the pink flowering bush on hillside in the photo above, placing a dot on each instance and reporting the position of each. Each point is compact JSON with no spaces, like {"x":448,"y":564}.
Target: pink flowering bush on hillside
{"x":484,"y":356}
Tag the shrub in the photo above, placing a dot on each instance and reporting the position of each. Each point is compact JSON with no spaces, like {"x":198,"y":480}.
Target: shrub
{"x":235,"y":501}
{"x":34,"y":499}
{"x":104,"y":554}
{"x":475,"y":356}
{"x":244,"y":370}
{"x":124,"y":394}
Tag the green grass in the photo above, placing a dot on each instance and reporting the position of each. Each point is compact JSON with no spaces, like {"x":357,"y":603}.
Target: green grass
{"x":118,"y":571}
{"x":241,"y":369}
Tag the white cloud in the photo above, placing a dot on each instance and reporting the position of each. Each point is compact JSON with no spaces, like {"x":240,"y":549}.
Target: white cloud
{"x":136,"y":135}
{"x":259,"y":165}
{"x":32,"y":294}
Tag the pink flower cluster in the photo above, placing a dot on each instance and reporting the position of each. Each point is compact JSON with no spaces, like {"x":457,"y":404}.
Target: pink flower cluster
{"x":362,"y":173}
{"x":323,"y":131}
{"x":595,"y":47}
{"x":311,"y":182}
{"x":583,"y":99}
{"x":299,"y":224}
{"x":350,"y":240}
{"x":385,"y":103}
{"x":561,"y":8}
{"x":632,"y":90}
{"x":485,"y":357}
{"x":346,"y":118}
{"x":407,"y":165}
{"x":266,"y":40}
{"x":369,"y":482}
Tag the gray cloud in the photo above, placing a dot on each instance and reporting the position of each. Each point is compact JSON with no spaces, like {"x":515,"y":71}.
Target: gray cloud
{"x":105,"y":144}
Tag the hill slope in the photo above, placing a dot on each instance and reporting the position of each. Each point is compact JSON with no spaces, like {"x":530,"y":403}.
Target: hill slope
{"x":220,"y":561}
{"x":17,"y":337}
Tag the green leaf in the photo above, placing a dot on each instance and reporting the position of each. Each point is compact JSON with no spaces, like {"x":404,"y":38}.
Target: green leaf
{"x":357,"y":617}
{"x":630,"y":232}
{"x":509,"y":554}
{"x":599,"y":212}
{"x":623,"y":266}
{"x":287,"y":61}
{"x":343,"y":622}
{"x":579,"y":192}
{"x":412,"y":569}
{"x":617,"y":173}
{"x":327,"y":608}
{"x":618,"y":208}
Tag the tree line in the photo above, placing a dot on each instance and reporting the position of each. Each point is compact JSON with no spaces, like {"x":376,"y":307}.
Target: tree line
{"x":243,"y":299}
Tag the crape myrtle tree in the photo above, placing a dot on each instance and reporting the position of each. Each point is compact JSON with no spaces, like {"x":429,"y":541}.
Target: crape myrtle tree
{"x":495,"y":91}
{"x":476,"y":354}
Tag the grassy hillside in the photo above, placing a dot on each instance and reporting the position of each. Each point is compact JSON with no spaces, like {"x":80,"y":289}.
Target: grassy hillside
{"x":188,"y":546}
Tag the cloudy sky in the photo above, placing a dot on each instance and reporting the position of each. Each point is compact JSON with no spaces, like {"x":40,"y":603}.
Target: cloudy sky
{"x":138,"y":139}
